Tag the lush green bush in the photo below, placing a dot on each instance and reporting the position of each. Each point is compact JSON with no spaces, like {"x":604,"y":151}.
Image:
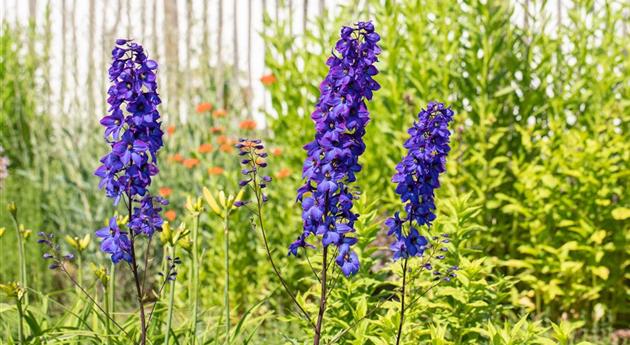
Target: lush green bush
{"x":540,"y":135}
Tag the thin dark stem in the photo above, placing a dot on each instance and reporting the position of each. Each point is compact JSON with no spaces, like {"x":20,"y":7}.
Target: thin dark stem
{"x":63,"y":269}
{"x":136,"y":277}
{"x":334,"y":283}
{"x":311,"y":265}
{"x":378,"y":307}
{"x":322,"y":299}
{"x":146,"y":262}
{"x":257,"y":193}
{"x":166,"y":279}
{"x":402,"y":302}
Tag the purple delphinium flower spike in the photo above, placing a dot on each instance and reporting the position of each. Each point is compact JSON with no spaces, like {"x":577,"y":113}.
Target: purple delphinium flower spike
{"x":132,"y":129}
{"x":340,"y":119}
{"x":417,"y":178}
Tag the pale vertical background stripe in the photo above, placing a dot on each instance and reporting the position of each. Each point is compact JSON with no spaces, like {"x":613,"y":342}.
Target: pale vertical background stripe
{"x":81,"y":86}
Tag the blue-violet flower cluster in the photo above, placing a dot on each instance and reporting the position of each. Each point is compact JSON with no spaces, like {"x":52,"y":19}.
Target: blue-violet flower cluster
{"x":340,"y":118}
{"x":132,"y":129}
{"x":417,"y":177}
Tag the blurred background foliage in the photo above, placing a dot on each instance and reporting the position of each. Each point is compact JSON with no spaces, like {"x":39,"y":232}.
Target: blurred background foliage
{"x":535,"y":197}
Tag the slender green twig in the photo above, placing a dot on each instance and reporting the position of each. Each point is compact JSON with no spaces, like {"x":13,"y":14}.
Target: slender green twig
{"x":257,"y":193}
{"x":171,"y":299}
{"x":195,"y":278}
{"x":22,"y":257}
{"x":336,"y":339}
{"x":226,"y":296}
{"x":21,"y":319}
{"x":63,"y":269}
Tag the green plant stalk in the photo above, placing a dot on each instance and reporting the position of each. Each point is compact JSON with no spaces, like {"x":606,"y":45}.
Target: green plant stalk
{"x":257,"y":193}
{"x":22,"y":258}
{"x":195,"y":278}
{"x":18,"y":303}
{"x":108,"y":313}
{"x":226,"y":292}
{"x":111,"y":289}
{"x":402,"y":302}
{"x":171,"y":299}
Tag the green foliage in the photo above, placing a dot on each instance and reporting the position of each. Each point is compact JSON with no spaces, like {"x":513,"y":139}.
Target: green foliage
{"x":540,"y":136}
{"x":535,"y":198}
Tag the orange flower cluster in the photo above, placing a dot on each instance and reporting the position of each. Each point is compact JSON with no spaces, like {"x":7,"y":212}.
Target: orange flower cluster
{"x":276,"y":151}
{"x":248,"y":125}
{"x":227,"y":148}
{"x":219,"y":113}
{"x":170,"y":130}
{"x":178,"y":158}
{"x":190,"y":163}
{"x":204,"y":107}
{"x":283,"y":173}
{"x":165,"y":192}
{"x":217,"y":129}
{"x":170,"y":215}
{"x":215,"y":171}
{"x":222,"y":139}
{"x":268,"y":79}
{"x":205,"y":148}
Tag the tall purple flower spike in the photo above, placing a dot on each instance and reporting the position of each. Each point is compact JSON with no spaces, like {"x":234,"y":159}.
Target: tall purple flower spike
{"x":417,"y":177}
{"x":132,"y":129}
{"x":340,"y":118}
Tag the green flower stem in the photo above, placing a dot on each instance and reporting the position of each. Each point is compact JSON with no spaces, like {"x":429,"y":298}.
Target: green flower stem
{"x":195,"y":277}
{"x":108,"y":313}
{"x":259,"y":201}
{"x":226,"y":292}
{"x":171,"y":299}
{"x":22,"y":258}
{"x":18,"y":303}
{"x":111,"y":292}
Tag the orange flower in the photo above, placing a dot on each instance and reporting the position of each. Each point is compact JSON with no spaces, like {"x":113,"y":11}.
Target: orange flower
{"x":170,"y":130}
{"x":170,"y":215}
{"x":260,"y":161}
{"x":276,"y":151}
{"x":218,"y":129}
{"x":222,"y":139}
{"x":165,"y":192}
{"x":219,"y":113}
{"x":268,"y":79}
{"x":177,"y":158}
{"x":227,"y":148}
{"x":205,"y":148}
{"x":190,"y":163}
{"x":204,"y":107}
{"x":283,"y":173}
{"x":248,"y":125}
{"x":215,"y":171}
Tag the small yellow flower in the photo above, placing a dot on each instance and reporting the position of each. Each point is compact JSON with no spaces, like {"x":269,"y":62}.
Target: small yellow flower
{"x":79,"y":244}
{"x":194,"y":206}
{"x":101,"y":274}
{"x":24,"y":232}
{"x":12,"y":208}
{"x":12,"y":289}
